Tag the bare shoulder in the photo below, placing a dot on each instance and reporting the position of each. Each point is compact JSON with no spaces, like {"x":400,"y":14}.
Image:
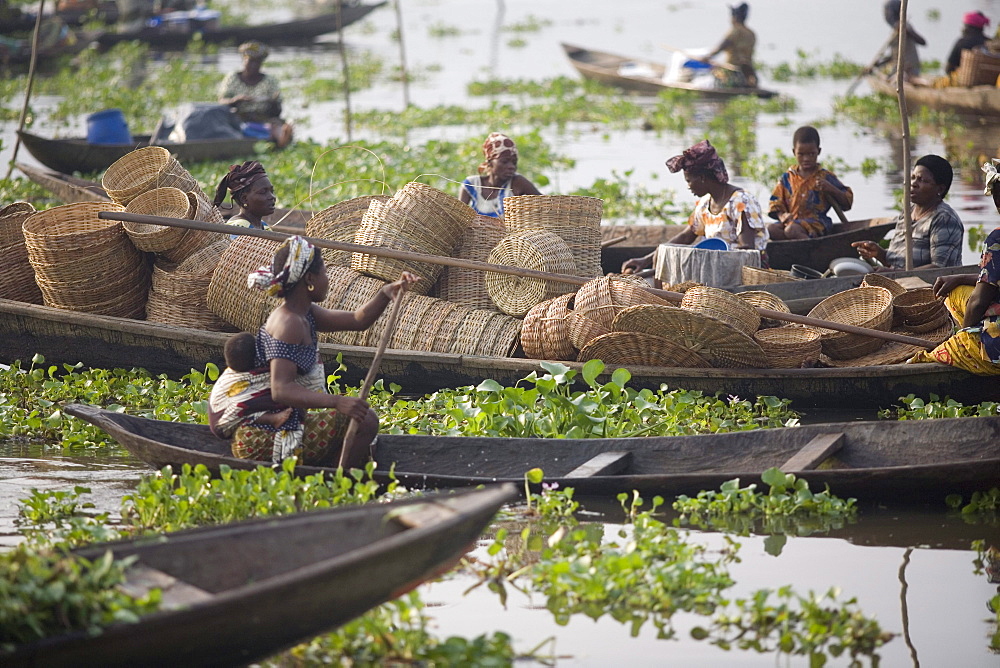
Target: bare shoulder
{"x":287,"y":326}
{"x":522,"y":186}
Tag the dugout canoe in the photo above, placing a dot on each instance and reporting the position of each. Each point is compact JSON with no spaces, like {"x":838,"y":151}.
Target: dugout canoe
{"x":286,"y":33}
{"x":816,"y":253}
{"x":891,"y":462}
{"x":605,"y":67}
{"x":247,"y":590}
{"x":979,"y":100}
{"x":68,"y":337}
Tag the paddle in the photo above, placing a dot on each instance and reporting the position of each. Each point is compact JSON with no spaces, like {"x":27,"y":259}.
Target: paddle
{"x":366,"y":386}
{"x":868,"y":70}
{"x":380,"y":251}
{"x":840,"y":211}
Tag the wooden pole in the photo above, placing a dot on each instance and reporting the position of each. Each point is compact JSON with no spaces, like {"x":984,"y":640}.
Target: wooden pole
{"x":869,"y":69}
{"x":905,"y":119}
{"x":838,"y":209}
{"x":366,"y":386}
{"x":27,"y":90}
{"x":381,"y":251}
{"x":345,"y":69}
{"x":403,"y":71}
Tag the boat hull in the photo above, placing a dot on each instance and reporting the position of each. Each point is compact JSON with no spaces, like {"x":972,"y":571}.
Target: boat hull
{"x":978,"y":100}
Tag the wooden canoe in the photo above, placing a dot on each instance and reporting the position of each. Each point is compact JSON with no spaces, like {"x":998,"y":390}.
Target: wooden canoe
{"x":978,"y":100}
{"x":291,"y":33}
{"x":891,"y":462}
{"x":109,"y":342}
{"x":247,"y":590}
{"x":604,"y":67}
{"x":816,"y":253}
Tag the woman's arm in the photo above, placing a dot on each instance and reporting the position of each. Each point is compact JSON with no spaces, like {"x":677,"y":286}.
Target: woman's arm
{"x":285,"y":391}
{"x":747,"y":236}
{"x":983,"y":295}
{"x":353,"y":321}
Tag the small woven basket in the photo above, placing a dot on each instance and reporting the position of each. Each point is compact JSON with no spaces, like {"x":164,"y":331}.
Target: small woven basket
{"x":763,"y":299}
{"x":12,"y":217}
{"x":583,"y":329}
{"x":758,"y":276}
{"x":931,"y":325}
{"x":875,"y":280}
{"x":544,"y":334}
{"x":601,"y":299}
{"x":145,"y":169}
{"x":534,"y":249}
{"x":468,"y":286}
{"x":339,"y":223}
{"x":168,"y":202}
{"x":17,"y":278}
{"x":869,"y":307}
{"x":635,"y":349}
{"x":917,"y":307}
{"x":790,"y":346}
{"x":724,"y":306}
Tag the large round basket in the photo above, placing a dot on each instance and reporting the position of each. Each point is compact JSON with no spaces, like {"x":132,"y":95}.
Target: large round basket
{"x":67,"y":232}
{"x":869,"y":307}
{"x":764,"y":299}
{"x":635,"y":349}
{"x":583,"y":329}
{"x":576,"y":220}
{"x":17,"y":278}
{"x":168,"y":202}
{"x":179,"y":292}
{"x":601,"y":299}
{"x":544,"y":334}
{"x":445,"y":214}
{"x":12,"y":217}
{"x":339,"y":223}
{"x":145,"y":169}
{"x":468,"y":286}
{"x":789,"y":346}
{"x":534,"y":249}
{"x":724,"y":306}
{"x":228,"y":295}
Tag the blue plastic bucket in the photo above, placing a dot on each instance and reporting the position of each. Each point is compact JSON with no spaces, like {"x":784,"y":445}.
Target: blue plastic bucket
{"x":108,"y":127}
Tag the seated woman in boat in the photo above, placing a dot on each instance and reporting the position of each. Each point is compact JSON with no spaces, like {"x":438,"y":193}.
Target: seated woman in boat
{"x":804,"y":193}
{"x":723,"y":211}
{"x":251,"y":190}
{"x":287,"y":344}
{"x":738,"y":46}
{"x":256,"y":96}
{"x":497,"y":178}
{"x":972,"y":37}
{"x":974,"y":303}
{"x":936,"y":229}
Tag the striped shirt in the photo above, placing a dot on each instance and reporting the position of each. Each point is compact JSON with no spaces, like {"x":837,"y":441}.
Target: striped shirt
{"x":937,"y":239}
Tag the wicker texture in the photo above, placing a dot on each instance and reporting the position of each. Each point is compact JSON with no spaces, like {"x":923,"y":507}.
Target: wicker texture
{"x":790,"y":346}
{"x":179,"y":293}
{"x":168,"y":202}
{"x":349,"y":291}
{"x":201,"y":208}
{"x":601,"y":299}
{"x":534,"y":249}
{"x":874,"y":280}
{"x":977,"y":68}
{"x":718,"y":342}
{"x":763,"y":299}
{"x":583,"y":329}
{"x":544,"y":334}
{"x":635,"y":349}
{"x":17,"y":278}
{"x":893,"y":352}
{"x":759,"y":276}
{"x":724,"y":306}
{"x":12,"y":217}
{"x":942,"y":320}
{"x":468,"y":286}
{"x":228,"y":295}
{"x":142,"y":170}
{"x":869,"y":307}
{"x":918,"y":307}
{"x":339,"y":223}
{"x":576,"y":220}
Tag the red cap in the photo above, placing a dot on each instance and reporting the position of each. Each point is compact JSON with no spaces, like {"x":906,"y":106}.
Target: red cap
{"x":975,"y":19}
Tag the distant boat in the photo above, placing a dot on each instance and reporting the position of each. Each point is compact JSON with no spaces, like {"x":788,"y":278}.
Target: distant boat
{"x":613,"y":70}
{"x":979,"y":100}
{"x":295,"y":32}
{"x":237,"y":593}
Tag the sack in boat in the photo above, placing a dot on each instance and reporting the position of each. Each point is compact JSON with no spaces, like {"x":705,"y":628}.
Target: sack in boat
{"x":717,"y":268}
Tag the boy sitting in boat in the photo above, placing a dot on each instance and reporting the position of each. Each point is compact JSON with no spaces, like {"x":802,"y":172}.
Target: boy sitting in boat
{"x":804,"y":194}
{"x":243,"y":393}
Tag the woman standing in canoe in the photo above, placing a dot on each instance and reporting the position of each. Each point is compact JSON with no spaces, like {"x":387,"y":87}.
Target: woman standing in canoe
{"x":497,"y":178}
{"x":288,"y":345}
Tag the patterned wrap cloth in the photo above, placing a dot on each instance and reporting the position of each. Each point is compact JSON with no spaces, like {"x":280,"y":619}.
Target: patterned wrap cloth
{"x":701,"y":156}
{"x":496,"y":145}
{"x":275,"y":284}
{"x":239,"y":177}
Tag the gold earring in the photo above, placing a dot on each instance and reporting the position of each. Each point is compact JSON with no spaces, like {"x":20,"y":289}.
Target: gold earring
{"x":309,"y":287}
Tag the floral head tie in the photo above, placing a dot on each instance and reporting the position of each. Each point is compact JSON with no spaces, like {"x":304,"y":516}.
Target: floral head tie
{"x":276,"y":283}
{"x":496,"y":145}
{"x":992,"y":176}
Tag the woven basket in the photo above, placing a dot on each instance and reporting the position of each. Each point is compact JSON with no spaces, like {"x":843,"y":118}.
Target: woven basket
{"x":447,"y":328}
{"x":228,"y":295}
{"x":501,"y":337}
{"x":634,"y":349}
{"x":874,"y":280}
{"x":17,"y":278}
{"x":932,"y":325}
{"x":576,"y":220}
{"x":145,"y":169}
{"x":12,"y":217}
{"x":601,"y":299}
{"x":168,"y":202}
{"x":65,"y":232}
{"x":893,"y":352}
{"x":917,"y":307}
{"x":869,"y":307}
{"x":201,"y":208}
{"x":790,"y":346}
{"x":724,"y":306}
{"x":763,"y":299}
{"x":758,"y":276}
{"x":349,"y":291}
{"x":977,"y":68}
{"x":544,"y":334}
{"x":178,"y":293}
{"x":583,"y":329}
{"x":541,"y":251}
{"x":339,"y":223}
{"x":683,"y":286}
{"x":469,"y":332}
{"x":468,"y":286}
{"x":439,"y":211}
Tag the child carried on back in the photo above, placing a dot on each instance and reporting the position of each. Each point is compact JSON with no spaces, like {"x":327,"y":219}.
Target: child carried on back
{"x":805,"y":193}
{"x":242,"y":394}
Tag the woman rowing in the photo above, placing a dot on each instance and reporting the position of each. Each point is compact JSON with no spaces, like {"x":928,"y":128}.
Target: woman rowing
{"x":497,"y":178}
{"x":288,"y":345}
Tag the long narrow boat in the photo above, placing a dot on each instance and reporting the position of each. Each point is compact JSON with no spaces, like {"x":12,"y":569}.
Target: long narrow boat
{"x":979,"y":100}
{"x":237,"y":593}
{"x":816,"y":253}
{"x":75,"y":154}
{"x":296,"y":32}
{"x":607,"y":67}
{"x":109,"y":342}
{"x":907,"y":461}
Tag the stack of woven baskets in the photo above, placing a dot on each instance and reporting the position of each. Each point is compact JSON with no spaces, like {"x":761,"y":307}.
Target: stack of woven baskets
{"x":575,"y":220}
{"x":339,"y":223}
{"x":468,"y":286}
{"x":179,"y":292}
{"x":17,"y":278}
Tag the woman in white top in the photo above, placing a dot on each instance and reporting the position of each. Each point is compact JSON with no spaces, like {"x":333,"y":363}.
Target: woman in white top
{"x":497,"y":178}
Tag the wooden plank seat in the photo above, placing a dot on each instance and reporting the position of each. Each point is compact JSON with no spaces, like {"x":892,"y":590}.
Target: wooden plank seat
{"x":176,"y":593}
{"x":814,"y":452}
{"x":606,"y":463}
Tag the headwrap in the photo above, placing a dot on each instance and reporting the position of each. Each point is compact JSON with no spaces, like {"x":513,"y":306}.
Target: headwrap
{"x":740,"y":11}
{"x":300,"y":256}
{"x":238,"y":178}
{"x":254,"y":50}
{"x":940,"y":168}
{"x":975,"y":20}
{"x":701,"y":156}
{"x":496,"y":145}
{"x":891,"y":11}
{"x":992,"y":176}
